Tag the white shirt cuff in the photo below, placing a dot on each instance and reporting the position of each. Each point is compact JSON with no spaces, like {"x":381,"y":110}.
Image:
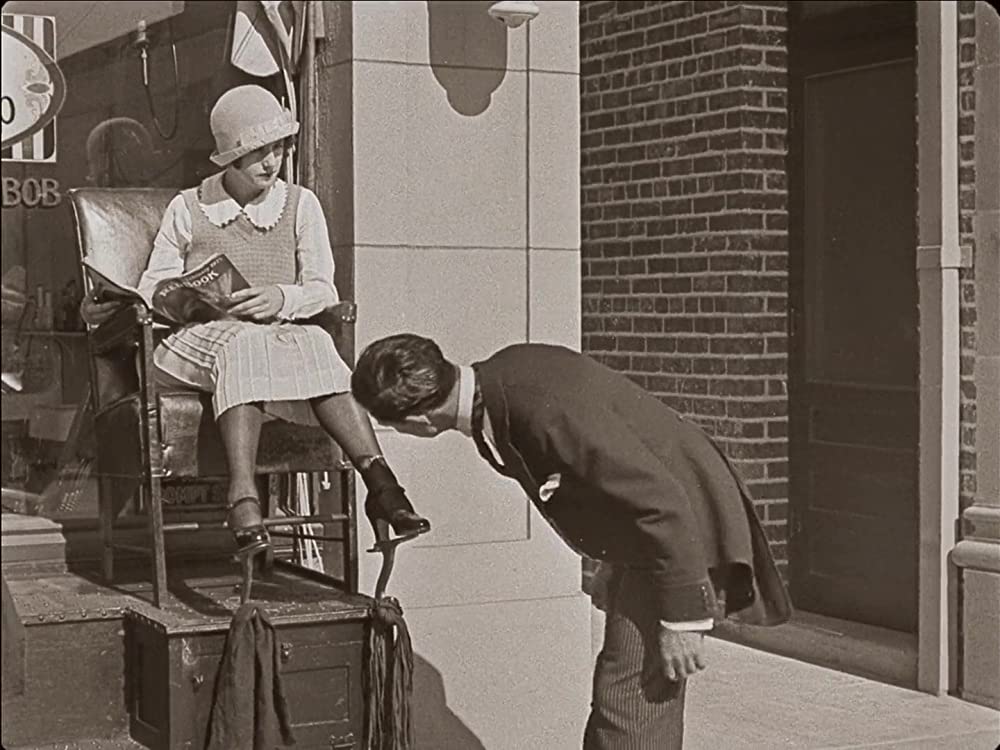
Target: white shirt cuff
{"x":293,"y":299}
{"x":695,"y":625}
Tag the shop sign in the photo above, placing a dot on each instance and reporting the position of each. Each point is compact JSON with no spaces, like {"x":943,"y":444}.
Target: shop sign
{"x":31,"y":192}
{"x":33,"y":88}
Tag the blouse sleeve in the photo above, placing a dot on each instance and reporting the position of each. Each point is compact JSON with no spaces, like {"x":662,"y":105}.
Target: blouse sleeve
{"x":169,"y":248}
{"x":314,"y":291}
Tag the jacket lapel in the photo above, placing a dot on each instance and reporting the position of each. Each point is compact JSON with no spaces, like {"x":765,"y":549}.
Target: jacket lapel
{"x":495,"y":403}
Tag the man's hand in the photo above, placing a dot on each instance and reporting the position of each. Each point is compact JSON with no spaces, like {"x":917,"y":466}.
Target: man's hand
{"x":682,"y":652}
{"x":599,"y":586}
{"x":94,"y":313}
{"x":257,"y":302}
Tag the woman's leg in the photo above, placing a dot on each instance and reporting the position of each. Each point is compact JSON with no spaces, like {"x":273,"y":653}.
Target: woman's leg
{"x":240,"y":428}
{"x":348,"y":423}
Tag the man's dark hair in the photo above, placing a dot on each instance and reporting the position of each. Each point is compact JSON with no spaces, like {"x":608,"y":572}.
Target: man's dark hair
{"x":402,"y":375}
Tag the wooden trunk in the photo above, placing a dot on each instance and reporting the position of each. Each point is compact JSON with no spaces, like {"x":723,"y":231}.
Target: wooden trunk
{"x":173,"y":657}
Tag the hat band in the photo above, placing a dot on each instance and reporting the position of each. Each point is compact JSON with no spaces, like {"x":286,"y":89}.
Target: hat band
{"x":263,"y":133}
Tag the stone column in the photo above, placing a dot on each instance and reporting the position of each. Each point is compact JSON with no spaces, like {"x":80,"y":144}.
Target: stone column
{"x":939,"y":256}
{"x":449,"y":168}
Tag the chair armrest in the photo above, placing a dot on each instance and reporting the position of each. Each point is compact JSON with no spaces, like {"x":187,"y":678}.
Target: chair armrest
{"x":335,"y":317}
{"x":123,"y":329}
{"x":113,"y":348}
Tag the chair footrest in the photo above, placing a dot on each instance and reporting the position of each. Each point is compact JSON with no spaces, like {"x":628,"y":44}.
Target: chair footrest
{"x":300,"y":535}
{"x":268,"y":522}
{"x":300,"y":520}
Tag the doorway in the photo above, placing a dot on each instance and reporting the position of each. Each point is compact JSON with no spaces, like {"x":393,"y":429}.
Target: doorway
{"x":853,"y":385}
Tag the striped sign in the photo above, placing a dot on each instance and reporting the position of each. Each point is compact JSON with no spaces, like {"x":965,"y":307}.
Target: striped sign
{"x":40,"y":145}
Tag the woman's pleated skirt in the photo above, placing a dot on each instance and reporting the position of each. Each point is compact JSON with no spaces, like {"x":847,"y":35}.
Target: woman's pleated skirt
{"x":280,"y":365}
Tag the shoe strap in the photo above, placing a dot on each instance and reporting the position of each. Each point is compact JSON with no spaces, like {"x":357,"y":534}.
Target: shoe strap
{"x":247,"y":499}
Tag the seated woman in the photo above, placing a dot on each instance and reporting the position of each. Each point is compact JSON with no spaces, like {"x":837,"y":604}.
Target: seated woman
{"x":258,"y":360}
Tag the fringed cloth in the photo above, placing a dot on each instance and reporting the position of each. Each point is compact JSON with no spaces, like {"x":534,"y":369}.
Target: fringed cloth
{"x":389,"y":678}
{"x":249,"y":710}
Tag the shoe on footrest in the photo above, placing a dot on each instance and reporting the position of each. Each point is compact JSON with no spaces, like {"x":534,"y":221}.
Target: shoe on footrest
{"x":247,"y":526}
{"x":407,"y":523}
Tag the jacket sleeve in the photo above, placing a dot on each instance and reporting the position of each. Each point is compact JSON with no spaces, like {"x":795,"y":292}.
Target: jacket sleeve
{"x":603,"y":452}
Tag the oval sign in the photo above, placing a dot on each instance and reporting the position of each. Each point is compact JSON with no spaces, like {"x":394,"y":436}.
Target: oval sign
{"x":33,"y":88}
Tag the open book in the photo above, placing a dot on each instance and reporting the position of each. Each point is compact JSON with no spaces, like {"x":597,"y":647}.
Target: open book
{"x":200,"y":294}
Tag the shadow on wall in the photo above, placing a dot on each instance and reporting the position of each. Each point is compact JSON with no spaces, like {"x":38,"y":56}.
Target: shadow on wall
{"x":468,"y":53}
{"x":434,"y":724}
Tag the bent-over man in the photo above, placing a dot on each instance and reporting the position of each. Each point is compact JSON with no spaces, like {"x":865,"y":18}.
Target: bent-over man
{"x":623,"y":479}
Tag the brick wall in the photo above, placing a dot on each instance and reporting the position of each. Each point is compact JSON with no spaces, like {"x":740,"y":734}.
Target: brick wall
{"x":684,"y":214}
{"x":967,"y":278}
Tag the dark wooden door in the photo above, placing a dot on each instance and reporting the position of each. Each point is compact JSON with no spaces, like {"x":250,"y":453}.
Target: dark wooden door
{"x":855,"y":346}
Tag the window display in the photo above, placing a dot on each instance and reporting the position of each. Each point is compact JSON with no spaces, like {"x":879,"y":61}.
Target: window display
{"x":102,"y":94}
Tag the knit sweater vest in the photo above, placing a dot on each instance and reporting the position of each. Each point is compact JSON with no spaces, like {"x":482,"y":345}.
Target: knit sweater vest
{"x":264,"y":257}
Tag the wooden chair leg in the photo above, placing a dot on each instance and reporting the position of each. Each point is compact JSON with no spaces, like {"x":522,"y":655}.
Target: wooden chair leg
{"x":347,"y":488}
{"x":157,"y":544}
{"x":105,"y":503}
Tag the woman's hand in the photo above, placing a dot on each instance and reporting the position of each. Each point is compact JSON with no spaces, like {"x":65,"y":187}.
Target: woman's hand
{"x":257,"y":302}
{"x":94,"y":313}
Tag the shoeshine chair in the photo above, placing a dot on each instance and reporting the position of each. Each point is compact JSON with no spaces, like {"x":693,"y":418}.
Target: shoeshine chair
{"x":148,"y":436}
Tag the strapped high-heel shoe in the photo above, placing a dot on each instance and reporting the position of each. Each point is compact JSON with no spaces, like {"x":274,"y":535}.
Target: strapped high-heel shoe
{"x":388,"y":507}
{"x":253,"y":544}
{"x":405,"y":523}
{"x":252,"y":537}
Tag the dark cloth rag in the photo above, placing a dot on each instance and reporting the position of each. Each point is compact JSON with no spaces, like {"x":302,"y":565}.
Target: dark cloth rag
{"x":389,"y":678}
{"x":249,"y":710}
{"x":13,"y":646}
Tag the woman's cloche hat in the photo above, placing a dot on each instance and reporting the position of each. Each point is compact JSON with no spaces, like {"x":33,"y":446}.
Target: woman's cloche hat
{"x":246,"y":118}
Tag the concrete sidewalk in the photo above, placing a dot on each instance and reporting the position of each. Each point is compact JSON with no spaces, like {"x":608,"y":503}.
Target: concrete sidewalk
{"x":753,"y":700}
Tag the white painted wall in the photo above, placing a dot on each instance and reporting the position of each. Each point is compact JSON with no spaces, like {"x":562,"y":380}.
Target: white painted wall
{"x":466,"y":229}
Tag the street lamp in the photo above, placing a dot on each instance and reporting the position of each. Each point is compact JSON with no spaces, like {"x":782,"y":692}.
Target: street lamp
{"x":513,"y":13}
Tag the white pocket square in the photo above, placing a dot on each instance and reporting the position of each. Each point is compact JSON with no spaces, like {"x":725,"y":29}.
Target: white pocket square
{"x":547,"y":490}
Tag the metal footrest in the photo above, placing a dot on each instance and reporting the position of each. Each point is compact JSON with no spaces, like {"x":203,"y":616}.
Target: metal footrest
{"x":268,"y":522}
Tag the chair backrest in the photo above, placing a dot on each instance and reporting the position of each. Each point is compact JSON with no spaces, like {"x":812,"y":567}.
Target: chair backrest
{"x":115,"y":227}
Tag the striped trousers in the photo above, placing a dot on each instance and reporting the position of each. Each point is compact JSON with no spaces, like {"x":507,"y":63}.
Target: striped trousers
{"x":634,"y":707}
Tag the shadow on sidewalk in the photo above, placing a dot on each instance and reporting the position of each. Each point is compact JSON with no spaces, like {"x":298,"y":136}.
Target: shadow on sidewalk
{"x":434,"y":723}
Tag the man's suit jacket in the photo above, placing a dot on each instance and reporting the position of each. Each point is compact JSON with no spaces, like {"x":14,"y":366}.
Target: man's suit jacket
{"x":639,"y":485}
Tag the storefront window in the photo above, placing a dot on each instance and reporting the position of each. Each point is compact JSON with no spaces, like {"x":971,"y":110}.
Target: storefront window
{"x":140,"y":80}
